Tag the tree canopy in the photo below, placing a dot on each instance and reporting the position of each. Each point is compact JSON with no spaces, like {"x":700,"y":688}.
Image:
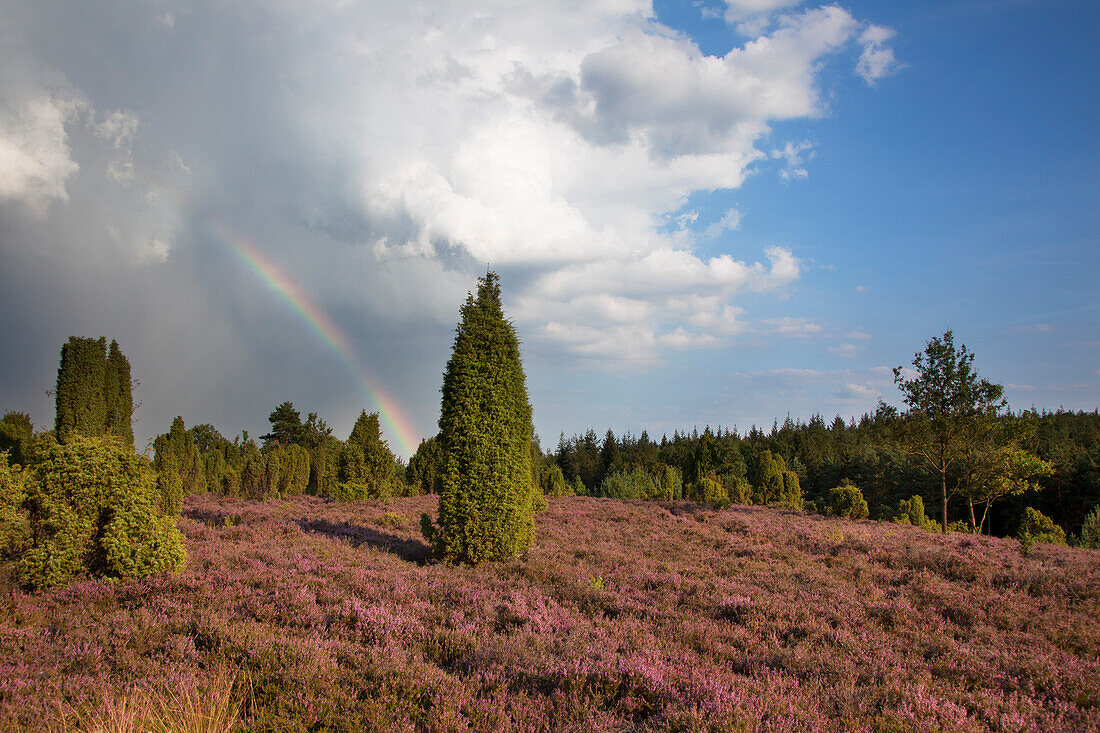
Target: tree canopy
{"x":948,"y":403}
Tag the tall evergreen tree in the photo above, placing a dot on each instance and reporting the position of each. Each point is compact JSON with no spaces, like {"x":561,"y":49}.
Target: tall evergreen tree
{"x":485,"y":510}
{"x":93,"y":393}
{"x":120,"y":398}
{"x":368,"y":469}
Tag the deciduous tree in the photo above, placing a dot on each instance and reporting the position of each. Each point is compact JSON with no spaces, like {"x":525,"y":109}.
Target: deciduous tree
{"x":947,"y":402}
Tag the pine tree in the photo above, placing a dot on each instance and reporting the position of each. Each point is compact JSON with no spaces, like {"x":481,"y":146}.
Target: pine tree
{"x":485,"y":426}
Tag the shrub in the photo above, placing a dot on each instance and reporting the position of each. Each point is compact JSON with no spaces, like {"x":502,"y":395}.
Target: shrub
{"x":633,"y":484}
{"x":671,"y":484}
{"x":1090,"y":530}
{"x":17,"y":437}
{"x":552,"y":481}
{"x":14,"y":530}
{"x":709,"y":490}
{"x":579,"y":489}
{"x":911,"y":511}
{"x":791,"y":494}
{"x":739,"y":490}
{"x":960,"y":525}
{"x":1037,"y":527}
{"x":92,"y":508}
{"x":847,"y":501}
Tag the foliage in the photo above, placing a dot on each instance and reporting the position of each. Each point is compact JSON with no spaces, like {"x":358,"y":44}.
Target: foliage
{"x":14,"y":526}
{"x":911,"y":511}
{"x":17,"y":437}
{"x":1090,"y":530}
{"x":425,"y":469}
{"x":485,"y":426}
{"x":671,"y":483}
{"x":633,"y":484}
{"x":92,"y":508}
{"x":286,"y":427}
{"x":551,"y":481}
{"x":847,"y":501}
{"x":368,"y":469}
{"x":709,"y":490}
{"x":179,"y":465}
{"x":948,"y":406}
{"x":93,"y":395}
{"x":281,"y":471}
{"x":1037,"y":527}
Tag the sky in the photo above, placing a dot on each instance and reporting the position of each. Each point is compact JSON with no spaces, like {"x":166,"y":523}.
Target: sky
{"x":711,"y":212}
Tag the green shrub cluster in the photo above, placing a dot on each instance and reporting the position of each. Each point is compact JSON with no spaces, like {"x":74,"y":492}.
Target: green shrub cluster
{"x":911,"y":511}
{"x":1037,"y":527}
{"x":1090,"y":530}
{"x":847,"y":501}
{"x":367,"y":468}
{"x":551,"y":482}
{"x":633,"y":484}
{"x":92,"y":508}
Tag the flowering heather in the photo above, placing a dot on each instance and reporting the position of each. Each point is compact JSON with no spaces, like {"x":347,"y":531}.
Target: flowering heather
{"x":624,"y":615}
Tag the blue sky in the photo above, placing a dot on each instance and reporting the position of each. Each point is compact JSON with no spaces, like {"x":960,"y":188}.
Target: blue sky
{"x":715,"y":212}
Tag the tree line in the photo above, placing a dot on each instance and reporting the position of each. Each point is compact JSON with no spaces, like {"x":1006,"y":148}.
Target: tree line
{"x":78,"y":499}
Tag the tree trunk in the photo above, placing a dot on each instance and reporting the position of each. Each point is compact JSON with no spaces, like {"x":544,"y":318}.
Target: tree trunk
{"x":943,"y":490}
{"x":973,"y":523}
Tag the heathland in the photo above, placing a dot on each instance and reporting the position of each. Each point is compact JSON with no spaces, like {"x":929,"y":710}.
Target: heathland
{"x":312,"y":614}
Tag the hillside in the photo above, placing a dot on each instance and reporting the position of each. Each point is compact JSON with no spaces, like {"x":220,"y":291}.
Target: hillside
{"x":624,"y":616}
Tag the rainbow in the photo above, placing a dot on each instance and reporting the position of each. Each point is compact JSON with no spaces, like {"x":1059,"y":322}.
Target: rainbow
{"x":395,"y":423}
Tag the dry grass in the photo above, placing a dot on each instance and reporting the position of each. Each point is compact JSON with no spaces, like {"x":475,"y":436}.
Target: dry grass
{"x":213,"y":708}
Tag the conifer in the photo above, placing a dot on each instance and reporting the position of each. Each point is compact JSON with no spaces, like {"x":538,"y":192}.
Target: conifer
{"x":485,"y":510}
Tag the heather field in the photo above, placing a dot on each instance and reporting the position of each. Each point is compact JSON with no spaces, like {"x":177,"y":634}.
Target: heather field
{"x":312,"y":615}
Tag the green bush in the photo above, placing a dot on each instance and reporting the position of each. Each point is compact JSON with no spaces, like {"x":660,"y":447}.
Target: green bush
{"x":633,"y":484}
{"x":1090,"y":531}
{"x":1037,"y":527}
{"x":671,"y":484}
{"x":738,"y":489}
{"x":14,"y":529}
{"x":847,"y":501}
{"x":709,"y":490}
{"x":911,"y":511}
{"x":552,"y":481}
{"x":92,"y":508}
{"x":579,"y":489}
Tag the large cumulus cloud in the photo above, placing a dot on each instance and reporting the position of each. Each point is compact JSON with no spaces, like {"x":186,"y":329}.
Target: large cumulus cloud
{"x":384,"y":153}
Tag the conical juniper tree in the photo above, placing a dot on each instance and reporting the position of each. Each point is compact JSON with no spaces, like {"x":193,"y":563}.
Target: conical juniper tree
{"x":93,"y":394}
{"x":485,"y":426}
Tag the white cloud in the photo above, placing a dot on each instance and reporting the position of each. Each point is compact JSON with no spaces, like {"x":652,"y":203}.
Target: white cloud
{"x":857,"y":392}
{"x":877,"y":59}
{"x":795,"y":155}
{"x":553,"y":144}
{"x":730,"y":221}
{"x":795,"y":327}
{"x":35,"y":159}
{"x":845,"y":351}
{"x":857,"y":336}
